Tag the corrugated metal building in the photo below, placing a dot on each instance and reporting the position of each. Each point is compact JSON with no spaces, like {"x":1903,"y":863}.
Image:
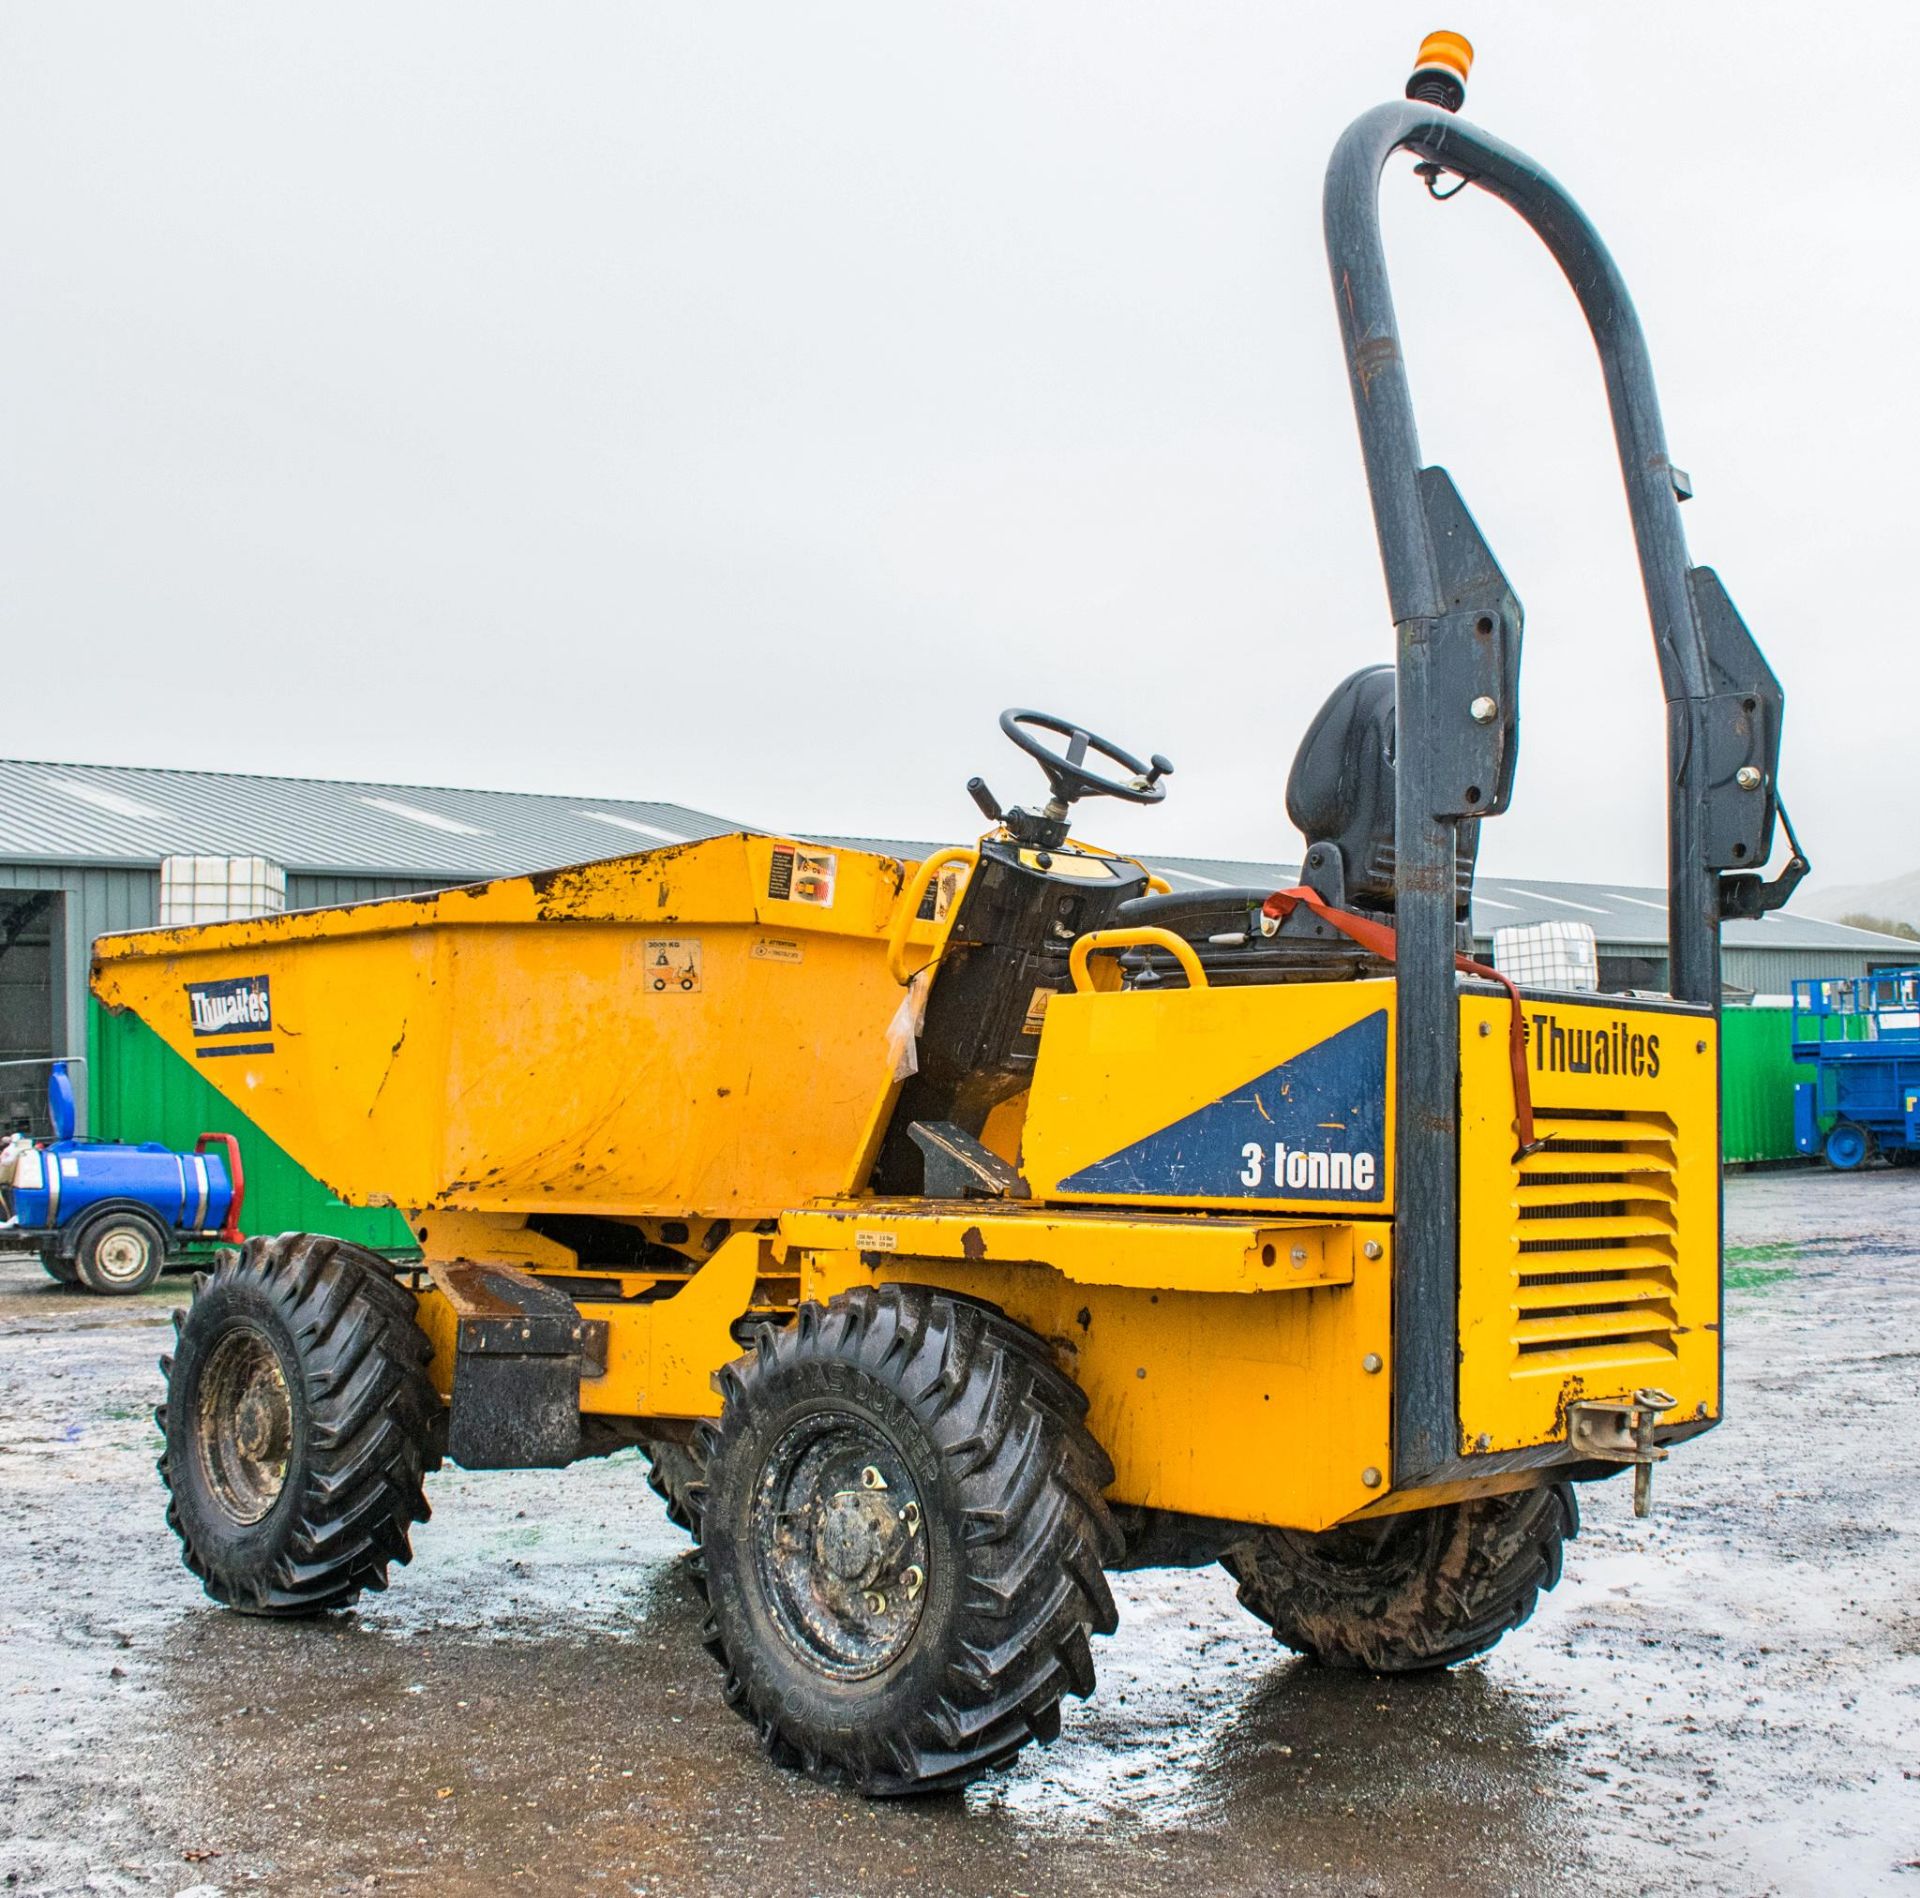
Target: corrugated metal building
{"x":1629,"y":922}
{"x":81,"y":849}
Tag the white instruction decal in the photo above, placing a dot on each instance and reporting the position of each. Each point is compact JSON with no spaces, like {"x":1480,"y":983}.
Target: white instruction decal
{"x":800,"y":875}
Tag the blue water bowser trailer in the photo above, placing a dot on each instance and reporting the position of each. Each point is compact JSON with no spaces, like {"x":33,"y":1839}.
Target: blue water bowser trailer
{"x":112,"y":1216}
{"x":1860,"y":1036}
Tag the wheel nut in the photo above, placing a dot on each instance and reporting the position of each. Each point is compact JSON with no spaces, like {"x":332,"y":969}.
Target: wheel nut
{"x":870,"y":1478}
{"x":910,"y":1519}
{"x":876,"y":1602}
{"x":913,"y":1580}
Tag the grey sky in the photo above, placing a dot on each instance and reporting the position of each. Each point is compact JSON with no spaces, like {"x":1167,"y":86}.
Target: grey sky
{"x":739,"y":405}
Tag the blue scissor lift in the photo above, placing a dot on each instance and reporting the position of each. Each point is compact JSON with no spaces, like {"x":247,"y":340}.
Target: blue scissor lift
{"x":1861,"y":1037}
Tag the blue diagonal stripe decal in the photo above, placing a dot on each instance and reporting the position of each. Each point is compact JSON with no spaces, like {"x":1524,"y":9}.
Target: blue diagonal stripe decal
{"x":1312,"y":1128}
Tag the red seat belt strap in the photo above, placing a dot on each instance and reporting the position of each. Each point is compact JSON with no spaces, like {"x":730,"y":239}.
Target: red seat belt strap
{"x":1377,"y":939}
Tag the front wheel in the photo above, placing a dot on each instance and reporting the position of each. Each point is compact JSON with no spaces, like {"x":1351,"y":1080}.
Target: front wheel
{"x":1402,"y":1594}
{"x":299,"y":1425}
{"x":901,"y":1537}
{"x":1848,"y":1146}
{"x":120,"y":1253}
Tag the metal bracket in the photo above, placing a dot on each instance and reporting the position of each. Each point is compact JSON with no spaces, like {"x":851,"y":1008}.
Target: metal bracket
{"x":1742,"y":719}
{"x":1473,"y":717}
{"x":1621,"y":1431}
{"x":521,"y":1349}
{"x":1749,"y":897}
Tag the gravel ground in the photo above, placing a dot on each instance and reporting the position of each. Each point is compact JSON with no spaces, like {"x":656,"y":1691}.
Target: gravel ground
{"x":1724,"y":1699}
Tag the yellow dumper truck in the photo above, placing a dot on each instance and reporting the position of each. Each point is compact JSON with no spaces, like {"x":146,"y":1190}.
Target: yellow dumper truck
{"x":951,"y":1233}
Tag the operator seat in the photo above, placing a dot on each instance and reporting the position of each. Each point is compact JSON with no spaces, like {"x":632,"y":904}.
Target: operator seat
{"x":1340,"y":793}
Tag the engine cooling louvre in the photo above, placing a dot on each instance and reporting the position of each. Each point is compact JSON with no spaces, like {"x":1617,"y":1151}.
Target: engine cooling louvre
{"x":1598,"y":1220}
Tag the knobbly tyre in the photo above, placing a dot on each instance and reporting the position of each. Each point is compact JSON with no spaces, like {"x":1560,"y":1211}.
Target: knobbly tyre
{"x":951,"y":1234}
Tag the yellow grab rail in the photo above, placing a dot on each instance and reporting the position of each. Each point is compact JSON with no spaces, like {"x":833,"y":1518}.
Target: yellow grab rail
{"x":1104,"y":939}
{"x":907,"y":905}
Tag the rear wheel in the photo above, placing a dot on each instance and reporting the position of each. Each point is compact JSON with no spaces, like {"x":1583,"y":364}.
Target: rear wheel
{"x":56,"y":1267}
{"x":670,"y":1468}
{"x":1849,"y":1145}
{"x":1402,"y":1594}
{"x":298,"y":1424}
{"x":120,"y":1252}
{"x":901,"y":1540}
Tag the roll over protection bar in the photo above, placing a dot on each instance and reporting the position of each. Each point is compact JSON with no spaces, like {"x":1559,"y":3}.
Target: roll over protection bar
{"x":1457,"y":627}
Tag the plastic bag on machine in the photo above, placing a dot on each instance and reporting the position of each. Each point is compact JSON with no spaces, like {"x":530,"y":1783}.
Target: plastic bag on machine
{"x":903,"y":1031}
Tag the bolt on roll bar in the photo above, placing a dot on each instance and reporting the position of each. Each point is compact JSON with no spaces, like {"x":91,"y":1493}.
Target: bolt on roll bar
{"x":1457,"y":630}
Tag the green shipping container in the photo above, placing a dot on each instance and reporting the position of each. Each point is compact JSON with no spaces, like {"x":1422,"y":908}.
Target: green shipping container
{"x":139,"y":1089}
{"x":1757,"y":1076}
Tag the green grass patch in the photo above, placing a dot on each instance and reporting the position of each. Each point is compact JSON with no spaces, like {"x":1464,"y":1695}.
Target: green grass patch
{"x":1747,"y":1278}
{"x":1763,"y":1255}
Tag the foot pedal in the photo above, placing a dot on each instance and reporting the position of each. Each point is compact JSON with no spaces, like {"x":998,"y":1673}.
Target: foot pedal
{"x":957,"y":1166}
{"x":519,"y":1350}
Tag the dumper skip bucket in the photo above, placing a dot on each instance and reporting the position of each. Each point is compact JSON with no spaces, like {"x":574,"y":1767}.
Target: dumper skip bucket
{"x":707,"y":1029}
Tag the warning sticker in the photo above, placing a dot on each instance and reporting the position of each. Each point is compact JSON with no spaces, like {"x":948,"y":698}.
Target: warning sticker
{"x":1036,"y":1012}
{"x":777,"y":949}
{"x":938,"y":896}
{"x":673,"y":965}
{"x":876,"y":1241}
{"x":799,"y":875}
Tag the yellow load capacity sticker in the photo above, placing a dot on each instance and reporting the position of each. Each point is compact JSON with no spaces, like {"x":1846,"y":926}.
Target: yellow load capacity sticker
{"x":673,"y":965}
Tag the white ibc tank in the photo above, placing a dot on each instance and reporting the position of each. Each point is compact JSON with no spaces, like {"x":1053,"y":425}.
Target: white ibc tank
{"x":219,"y":889}
{"x":1562,"y":956}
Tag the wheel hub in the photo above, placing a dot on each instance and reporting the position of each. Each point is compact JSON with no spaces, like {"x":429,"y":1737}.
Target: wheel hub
{"x":840,"y":1544}
{"x":244,"y":1426}
{"x":854,"y":1533}
{"x":121,"y":1256}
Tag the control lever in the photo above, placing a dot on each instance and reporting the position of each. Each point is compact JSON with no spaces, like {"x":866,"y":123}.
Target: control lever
{"x":989,"y":804}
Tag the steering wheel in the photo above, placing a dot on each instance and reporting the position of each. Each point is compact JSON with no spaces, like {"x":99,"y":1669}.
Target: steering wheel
{"x":1067,"y":771}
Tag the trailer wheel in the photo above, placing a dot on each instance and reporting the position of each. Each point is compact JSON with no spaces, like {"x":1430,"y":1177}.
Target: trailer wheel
{"x":1403,"y":1594}
{"x":1849,"y":1145}
{"x":299,"y":1425}
{"x":901,"y":1540}
{"x":120,"y":1253}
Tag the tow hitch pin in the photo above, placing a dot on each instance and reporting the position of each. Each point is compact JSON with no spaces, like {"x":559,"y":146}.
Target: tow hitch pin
{"x":1622,"y":1432}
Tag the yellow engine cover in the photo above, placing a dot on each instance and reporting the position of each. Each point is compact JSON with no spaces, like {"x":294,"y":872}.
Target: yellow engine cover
{"x":1589,"y":1269}
{"x":1272,"y":1097}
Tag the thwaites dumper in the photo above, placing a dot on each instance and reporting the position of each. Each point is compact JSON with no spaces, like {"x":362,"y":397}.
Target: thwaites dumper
{"x":951,"y":1233}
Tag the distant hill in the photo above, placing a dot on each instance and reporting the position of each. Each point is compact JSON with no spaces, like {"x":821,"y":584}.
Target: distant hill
{"x":1896,"y":900}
